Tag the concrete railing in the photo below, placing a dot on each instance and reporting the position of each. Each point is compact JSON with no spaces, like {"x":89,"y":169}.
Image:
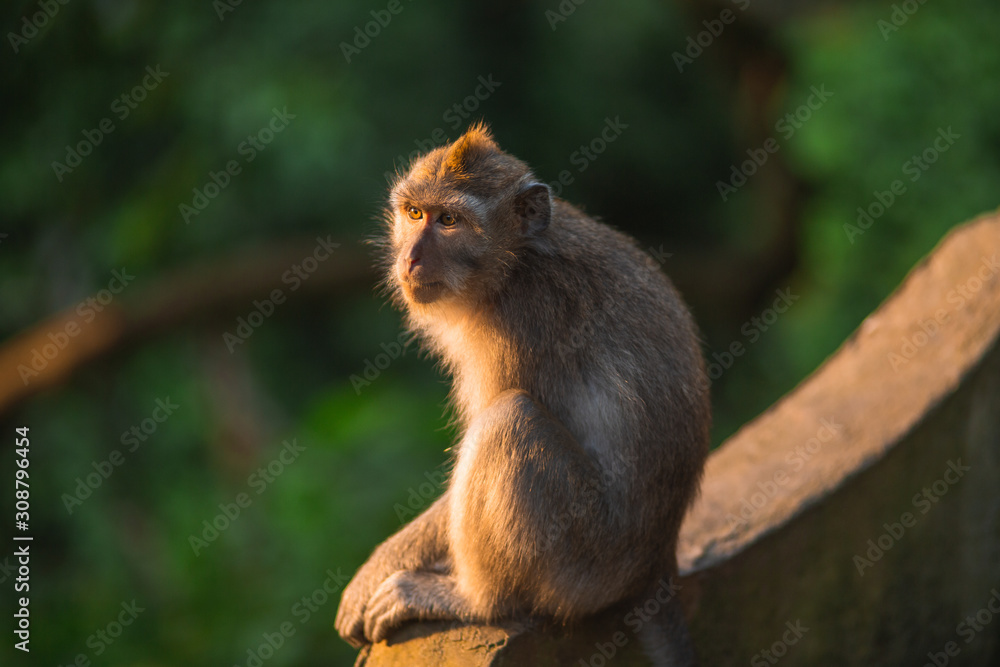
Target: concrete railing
{"x":856,"y":522}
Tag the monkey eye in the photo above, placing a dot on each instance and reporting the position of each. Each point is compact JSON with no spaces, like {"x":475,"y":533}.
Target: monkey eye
{"x":414,"y":213}
{"x":447,"y":219}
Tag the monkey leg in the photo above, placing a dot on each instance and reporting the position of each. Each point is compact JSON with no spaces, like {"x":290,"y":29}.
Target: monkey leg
{"x":533,"y":525}
{"x":420,"y":544}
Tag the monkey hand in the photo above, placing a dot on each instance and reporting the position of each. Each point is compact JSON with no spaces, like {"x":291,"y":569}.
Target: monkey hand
{"x":408,"y":596}
{"x":395,"y":601}
{"x":350,"y":621}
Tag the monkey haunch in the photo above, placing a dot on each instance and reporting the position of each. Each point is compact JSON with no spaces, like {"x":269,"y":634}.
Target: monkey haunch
{"x":582,"y":397}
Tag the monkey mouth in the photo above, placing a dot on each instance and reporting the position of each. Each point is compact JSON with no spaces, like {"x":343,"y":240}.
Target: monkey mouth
{"x":419,"y":292}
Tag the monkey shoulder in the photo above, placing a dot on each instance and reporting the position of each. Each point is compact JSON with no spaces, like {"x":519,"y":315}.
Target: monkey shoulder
{"x":587,"y":260}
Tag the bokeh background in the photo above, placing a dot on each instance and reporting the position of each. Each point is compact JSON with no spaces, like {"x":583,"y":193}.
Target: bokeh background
{"x":323,"y":370}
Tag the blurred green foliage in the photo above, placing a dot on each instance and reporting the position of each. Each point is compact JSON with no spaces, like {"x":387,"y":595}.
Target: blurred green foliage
{"x":367,"y":452}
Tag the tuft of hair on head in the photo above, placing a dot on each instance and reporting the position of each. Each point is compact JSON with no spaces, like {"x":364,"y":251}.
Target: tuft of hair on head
{"x":470,"y":151}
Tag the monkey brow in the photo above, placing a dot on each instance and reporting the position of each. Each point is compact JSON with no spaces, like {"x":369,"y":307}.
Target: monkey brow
{"x":449,"y":199}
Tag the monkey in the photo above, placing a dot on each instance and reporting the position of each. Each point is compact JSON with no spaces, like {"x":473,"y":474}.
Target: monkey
{"x":580,"y":395}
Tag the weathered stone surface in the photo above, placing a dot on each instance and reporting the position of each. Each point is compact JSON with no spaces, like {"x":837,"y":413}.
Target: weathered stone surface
{"x":856,"y":522}
{"x":511,"y":645}
{"x":444,"y":644}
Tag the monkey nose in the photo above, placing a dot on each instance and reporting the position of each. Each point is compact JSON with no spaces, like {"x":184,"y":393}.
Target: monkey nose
{"x":414,"y":260}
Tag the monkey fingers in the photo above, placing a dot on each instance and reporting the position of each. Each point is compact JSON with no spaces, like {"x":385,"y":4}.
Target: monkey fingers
{"x":350,"y":621}
{"x":409,"y":596}
{"x":419,"y":545}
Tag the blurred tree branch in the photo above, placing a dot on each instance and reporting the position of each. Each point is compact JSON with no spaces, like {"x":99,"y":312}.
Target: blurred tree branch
{"x":208,"y":288}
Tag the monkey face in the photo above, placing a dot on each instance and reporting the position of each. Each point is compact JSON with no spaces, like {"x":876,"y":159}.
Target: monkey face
{"x":436,"y":250}
{"x":458,"y":219}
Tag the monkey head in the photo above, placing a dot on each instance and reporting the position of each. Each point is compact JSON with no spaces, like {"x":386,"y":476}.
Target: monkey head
{"x":457,"y":219}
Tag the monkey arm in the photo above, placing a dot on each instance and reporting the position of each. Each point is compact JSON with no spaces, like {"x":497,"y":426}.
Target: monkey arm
{"x":421,"y":544}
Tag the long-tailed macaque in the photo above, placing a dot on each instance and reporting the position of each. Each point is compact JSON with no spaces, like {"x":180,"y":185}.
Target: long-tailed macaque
{"x":581,"y":397}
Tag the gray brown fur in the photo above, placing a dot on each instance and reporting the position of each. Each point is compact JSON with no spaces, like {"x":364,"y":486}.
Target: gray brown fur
{"x":580,"y":392}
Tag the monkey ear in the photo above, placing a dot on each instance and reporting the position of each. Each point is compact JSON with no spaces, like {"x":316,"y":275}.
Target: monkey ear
{"x":533,"y":205}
